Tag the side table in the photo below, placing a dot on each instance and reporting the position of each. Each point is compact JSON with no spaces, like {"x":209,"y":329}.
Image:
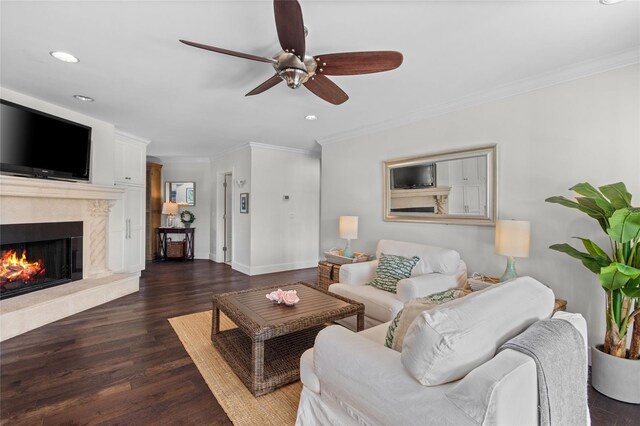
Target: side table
{"x":328,"y":273}
{"x":187,"y":252}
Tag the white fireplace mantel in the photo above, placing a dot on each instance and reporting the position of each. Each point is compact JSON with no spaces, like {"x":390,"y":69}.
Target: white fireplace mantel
{"x":24,"y":200}
{"x":13,"y":186}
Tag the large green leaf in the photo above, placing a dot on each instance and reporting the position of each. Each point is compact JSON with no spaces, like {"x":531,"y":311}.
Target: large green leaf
{"x":586,"y":189}
{"x":590,"y":206}
{"x":594,"y":250}
{"x":563,"y":201}
{"x":632,"y":289}
{"x":624,"y":225}
{"x":574,"y":205}
{"x":617,"y":194}
{"x":629,"y":271}
{"x":611,"y":278}
{"x":594,"y":211}
{"x":592,"y":263}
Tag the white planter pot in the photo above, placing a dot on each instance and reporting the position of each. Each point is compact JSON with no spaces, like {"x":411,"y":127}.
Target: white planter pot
{"x":617,"y":378}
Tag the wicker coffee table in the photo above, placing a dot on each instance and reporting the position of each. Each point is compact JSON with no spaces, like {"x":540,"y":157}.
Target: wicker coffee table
{"x":264,"y":351}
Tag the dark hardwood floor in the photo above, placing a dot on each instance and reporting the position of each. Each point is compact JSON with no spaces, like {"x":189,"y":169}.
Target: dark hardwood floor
{"x":122,"y":364}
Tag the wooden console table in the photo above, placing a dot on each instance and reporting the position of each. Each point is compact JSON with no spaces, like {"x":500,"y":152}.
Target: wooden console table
{"x":163,"y":239}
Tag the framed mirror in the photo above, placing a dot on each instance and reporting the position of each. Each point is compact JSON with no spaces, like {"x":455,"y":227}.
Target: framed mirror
{"x":446,"y":187}
{"x":183,"y":193}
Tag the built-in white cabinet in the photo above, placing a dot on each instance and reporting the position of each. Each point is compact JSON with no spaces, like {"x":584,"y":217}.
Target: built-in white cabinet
{"x":467,"y":170}
{"x":130,"y":161}
{"x":468,"y":179}
{"x":127,"y":217}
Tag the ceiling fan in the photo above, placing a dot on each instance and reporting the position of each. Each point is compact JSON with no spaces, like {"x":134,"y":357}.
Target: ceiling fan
{"x":297,"y":68}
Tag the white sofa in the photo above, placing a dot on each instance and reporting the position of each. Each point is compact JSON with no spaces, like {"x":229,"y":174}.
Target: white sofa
{"x":439,"y":269}
{"x":354,"y":379}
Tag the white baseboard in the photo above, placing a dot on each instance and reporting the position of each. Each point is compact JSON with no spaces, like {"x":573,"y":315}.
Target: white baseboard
{"x":267,"y":269}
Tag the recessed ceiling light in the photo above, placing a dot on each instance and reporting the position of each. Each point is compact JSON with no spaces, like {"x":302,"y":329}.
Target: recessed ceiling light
{"x":608,"y":2}
{"x":83,"y":98}
{"x":64,"y":57}
{"x":311,"y":117}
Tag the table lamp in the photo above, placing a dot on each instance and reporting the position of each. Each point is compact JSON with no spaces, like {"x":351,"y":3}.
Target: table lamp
{"x":170,"y":209}
{"x":348,"y":229}
{"x":512,"y":240}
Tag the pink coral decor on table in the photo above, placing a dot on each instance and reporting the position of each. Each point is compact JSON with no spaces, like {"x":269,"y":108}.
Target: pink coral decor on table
{"x":288,"y":297}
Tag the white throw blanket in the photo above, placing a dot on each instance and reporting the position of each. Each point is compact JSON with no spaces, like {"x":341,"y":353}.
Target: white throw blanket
{"x":558,"y":351}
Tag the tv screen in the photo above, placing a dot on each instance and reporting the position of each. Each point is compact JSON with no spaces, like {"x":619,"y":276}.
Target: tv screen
{"x":37,"y":144}
{"x":413,"y":177}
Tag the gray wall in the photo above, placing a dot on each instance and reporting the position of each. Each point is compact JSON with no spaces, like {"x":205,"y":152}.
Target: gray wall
{"x":548,"y":140}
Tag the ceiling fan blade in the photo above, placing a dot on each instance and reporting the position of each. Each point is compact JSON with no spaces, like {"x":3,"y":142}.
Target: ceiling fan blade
{"x":352,"y":63}
{"x":290,"y":26}
{"x":326,"y":89}
{"x":266,"y":85}
{"x":229,"y":52}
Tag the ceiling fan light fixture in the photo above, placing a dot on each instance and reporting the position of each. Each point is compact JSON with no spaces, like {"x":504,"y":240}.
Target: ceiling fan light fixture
{"x":609,"y":2}
{"x":294,"y":77}
{"x":64,"y":57}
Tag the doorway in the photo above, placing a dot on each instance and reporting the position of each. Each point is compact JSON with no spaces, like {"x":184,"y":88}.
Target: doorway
{"x":227,"y":217}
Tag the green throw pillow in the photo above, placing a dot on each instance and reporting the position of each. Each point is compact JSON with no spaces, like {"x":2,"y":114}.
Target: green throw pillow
{"x":391,"y":269}
{"x":400,"y":324}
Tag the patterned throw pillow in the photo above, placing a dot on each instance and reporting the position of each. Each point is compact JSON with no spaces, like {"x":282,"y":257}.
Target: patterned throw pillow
{"x":400,"y":324}
{"x":391,"y":269}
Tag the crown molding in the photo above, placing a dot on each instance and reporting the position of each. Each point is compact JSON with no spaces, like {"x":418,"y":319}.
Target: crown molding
{"x":283,"y":148}
{"x":130,"y":137}
{"x":558,"y":76}
{"x":182,"y":159}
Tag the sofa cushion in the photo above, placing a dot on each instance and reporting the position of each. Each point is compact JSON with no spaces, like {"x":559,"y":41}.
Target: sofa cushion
{"x":391,"y":269}
{"x":378,"y":304}
{"x":432,"y":258}
{"x":414,"y":307}
{"x":447,"y":342}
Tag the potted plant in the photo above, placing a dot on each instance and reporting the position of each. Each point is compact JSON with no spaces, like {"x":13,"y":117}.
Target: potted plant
{"x":615,"y":370}
{"x":187,"y":218}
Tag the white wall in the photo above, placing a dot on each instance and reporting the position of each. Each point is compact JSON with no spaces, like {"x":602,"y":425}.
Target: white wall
{"x":284,"y":233}
{"x":548,"y":140}
{"x":102,"y":134}
{"x":276,"y":235}
{"x":174,"y":170}
{"x":238,"y":163}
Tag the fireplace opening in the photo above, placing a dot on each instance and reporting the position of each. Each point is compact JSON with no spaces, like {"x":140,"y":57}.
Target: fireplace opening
{"x":35,"y":256}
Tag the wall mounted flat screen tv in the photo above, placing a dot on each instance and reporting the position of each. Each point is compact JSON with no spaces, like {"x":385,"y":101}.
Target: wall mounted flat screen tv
{"x":36,"y":144}
{"x":414,"y":177}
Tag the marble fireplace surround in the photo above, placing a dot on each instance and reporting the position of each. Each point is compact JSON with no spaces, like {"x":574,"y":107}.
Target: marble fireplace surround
{"x":26,"y":200}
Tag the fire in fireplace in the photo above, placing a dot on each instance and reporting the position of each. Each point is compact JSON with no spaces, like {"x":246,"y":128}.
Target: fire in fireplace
{"x":14,"y":268}
{"x":39,"y":255}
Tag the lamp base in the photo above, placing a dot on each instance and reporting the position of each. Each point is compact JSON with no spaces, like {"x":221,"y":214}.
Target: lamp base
{"x":170,"y":221}
{"x":347,"y":249}
{"x":510,"y":270}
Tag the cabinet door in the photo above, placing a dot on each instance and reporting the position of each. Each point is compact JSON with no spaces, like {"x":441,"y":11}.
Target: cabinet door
{"x":456,"y":200}
{"x":134,"y":201}
{"x":130,"y":163}
{"x":470,"y":169}
{"x":473,"y":200}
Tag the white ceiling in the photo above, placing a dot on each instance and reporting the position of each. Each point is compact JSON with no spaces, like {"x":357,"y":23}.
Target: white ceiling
{"x":190,"y":102}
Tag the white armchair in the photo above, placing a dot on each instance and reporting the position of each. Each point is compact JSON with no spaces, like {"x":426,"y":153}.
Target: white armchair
{"x":354,"y":379}
{"x":439,"y":269}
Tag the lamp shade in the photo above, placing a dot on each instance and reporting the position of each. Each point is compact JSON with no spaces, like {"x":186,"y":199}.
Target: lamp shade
{"x":170,"y":208}
{"x":348,"y":227}
{"x":512,"y":238}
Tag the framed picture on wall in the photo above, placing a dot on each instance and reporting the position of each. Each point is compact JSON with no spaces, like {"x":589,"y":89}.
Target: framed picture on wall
{"x":244,"y":202}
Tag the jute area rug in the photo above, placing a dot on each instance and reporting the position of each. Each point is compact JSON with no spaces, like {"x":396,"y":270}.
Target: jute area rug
{"x":276,"y":408}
